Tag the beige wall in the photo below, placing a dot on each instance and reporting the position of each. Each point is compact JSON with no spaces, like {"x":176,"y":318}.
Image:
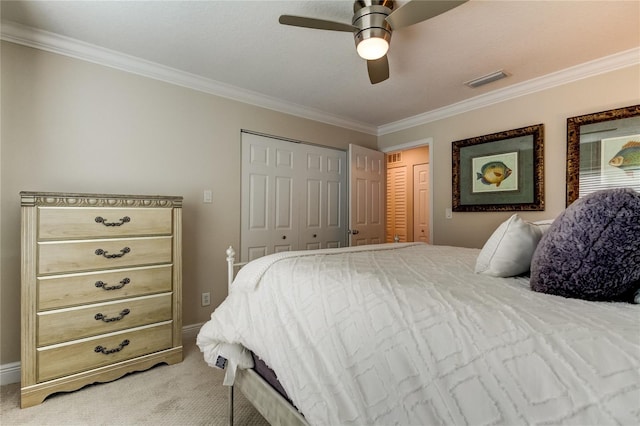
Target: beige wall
{"x":73,"y":126}
{"x":551,"y":107}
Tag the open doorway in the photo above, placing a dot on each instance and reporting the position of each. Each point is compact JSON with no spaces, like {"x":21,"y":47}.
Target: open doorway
{"x":408,"y":199}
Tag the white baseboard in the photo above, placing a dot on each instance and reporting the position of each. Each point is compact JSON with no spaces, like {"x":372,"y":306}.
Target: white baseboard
{"x":10,"y":373}
{"x":191,"y":331}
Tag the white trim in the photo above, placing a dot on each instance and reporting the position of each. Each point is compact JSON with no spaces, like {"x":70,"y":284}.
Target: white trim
{"x":409,"y":145}
{"x":610,"y":63}
{"x":191,"y":331}
{"x":10,"y":373}
{"x":431,"y":190}
{"x":62,"y":45}
{"x":55,"y":43}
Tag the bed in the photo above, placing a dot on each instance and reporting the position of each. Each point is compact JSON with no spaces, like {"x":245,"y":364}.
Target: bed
{"x":410,"y":334}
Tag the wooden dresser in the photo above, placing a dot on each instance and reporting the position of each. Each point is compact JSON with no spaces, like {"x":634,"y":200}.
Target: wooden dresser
{"x":101,"y":288}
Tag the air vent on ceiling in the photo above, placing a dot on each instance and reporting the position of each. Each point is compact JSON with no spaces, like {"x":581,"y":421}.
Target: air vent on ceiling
{"x":486,"y":79}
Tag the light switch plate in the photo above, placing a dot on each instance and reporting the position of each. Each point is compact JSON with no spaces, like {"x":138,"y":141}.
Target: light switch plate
{"x":206,"y":299}
{"x":207,"y":196}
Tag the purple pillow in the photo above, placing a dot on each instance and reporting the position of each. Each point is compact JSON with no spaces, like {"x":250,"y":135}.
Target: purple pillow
{"x":592,"y":250}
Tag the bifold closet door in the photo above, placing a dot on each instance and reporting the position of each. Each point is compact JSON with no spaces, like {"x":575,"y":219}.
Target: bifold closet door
{"x":269,"y":224}
{"x":323,"y":198}
{"x":293,"y":196}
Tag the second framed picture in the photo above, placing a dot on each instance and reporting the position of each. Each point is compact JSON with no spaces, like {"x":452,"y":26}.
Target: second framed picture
{"x":499,"y":172}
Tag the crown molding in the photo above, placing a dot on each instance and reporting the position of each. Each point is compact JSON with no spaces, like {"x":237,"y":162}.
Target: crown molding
{"x":408,"y":145}
{"x":610,"y":63}
{"x":55,"y":43}
{"x":67,"y":46}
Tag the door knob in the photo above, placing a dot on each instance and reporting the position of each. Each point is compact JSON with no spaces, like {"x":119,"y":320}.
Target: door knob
{"x":284,"y":237}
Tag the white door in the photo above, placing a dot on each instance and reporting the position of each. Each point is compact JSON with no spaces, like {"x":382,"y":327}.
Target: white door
{"x":323,"y":198}
{"x":421,"y":203}
{"x":293,"y":197}
{"x":268,"y":207}
{"x":366,"y":196}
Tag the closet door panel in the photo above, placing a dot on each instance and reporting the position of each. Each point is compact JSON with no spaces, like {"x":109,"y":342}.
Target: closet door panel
{"x":258,"y":185}
{"x":268,"y":211}
{"x":324,"y":209}
{"x":293,"y":196}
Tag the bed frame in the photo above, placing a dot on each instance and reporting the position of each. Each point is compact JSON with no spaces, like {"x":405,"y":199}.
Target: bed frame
{"x":269,"y":403}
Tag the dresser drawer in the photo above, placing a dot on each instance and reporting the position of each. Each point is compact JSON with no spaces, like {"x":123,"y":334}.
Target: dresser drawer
{"x":58,"y":291}
{"x":71,"y":256}
{"x":87,"y":222}
{"x":75,"y":323}
{"x":81,"y":355}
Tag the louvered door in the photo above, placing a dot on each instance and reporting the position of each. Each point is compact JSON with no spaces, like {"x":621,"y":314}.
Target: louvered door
{"x":397,"y":203}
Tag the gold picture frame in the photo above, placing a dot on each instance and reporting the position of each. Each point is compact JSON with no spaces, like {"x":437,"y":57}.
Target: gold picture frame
{"x":587,"y":139}
{"x":502,"y":171}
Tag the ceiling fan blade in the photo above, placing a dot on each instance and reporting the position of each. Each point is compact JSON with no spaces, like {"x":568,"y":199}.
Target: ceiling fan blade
{"x":318,"y":24}
{"x":378,"y":70}
{"x":418,"y":10}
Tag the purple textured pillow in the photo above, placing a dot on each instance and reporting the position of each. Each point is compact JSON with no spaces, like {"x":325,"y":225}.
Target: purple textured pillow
{"x":592,"y":250}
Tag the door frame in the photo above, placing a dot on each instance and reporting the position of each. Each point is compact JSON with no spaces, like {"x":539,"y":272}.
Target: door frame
{"x":415,"y":144}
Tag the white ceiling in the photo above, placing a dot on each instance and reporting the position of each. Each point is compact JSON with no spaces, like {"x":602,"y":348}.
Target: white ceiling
{"x":241,"y":44}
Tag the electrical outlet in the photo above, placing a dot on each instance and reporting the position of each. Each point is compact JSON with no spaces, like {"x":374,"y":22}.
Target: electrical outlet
{"x":206,"y":299}
{"x":447,"y":213}
{"x":207,"y":196}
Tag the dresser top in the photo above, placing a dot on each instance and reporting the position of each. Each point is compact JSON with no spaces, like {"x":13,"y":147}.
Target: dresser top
{"x":65,"y":199}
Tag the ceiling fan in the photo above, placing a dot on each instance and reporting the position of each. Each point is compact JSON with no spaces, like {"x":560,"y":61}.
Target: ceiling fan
{"x":372,"y":24}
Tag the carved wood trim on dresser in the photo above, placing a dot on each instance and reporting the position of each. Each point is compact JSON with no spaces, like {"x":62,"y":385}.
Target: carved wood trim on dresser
{"x":101,"y":288}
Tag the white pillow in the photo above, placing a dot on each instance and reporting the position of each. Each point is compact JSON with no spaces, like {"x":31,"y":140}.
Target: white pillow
{"x":544,"y":225}
{"x":509,"y":250}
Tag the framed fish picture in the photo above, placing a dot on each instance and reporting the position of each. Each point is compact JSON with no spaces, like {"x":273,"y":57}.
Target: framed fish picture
{"x":495,"y":172}
{"x":620,"y":160}
{"x":603,"y":151}
{"x":502,"y":171}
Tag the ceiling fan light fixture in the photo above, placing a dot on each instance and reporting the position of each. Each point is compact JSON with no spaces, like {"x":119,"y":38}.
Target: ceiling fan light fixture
{"x":374,"y":35}
{"x":372,"y":24}
{"x":372,"y":48}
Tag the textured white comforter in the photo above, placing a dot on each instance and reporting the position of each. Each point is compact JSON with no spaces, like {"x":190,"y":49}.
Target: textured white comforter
{"x":410,"y":335}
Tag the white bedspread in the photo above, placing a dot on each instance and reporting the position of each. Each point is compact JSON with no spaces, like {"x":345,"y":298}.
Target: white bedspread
{"x":410,"y":335}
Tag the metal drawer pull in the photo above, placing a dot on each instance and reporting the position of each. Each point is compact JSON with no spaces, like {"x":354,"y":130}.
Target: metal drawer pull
{"x":100,"y":219}
{"x":113,"y":287}
{"x":102,"y":349}
{"x":106,"y":254}
{"x":104,"y":318}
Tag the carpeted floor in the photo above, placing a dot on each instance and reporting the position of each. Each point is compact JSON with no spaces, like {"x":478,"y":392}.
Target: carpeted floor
{"x":188,"y":393}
